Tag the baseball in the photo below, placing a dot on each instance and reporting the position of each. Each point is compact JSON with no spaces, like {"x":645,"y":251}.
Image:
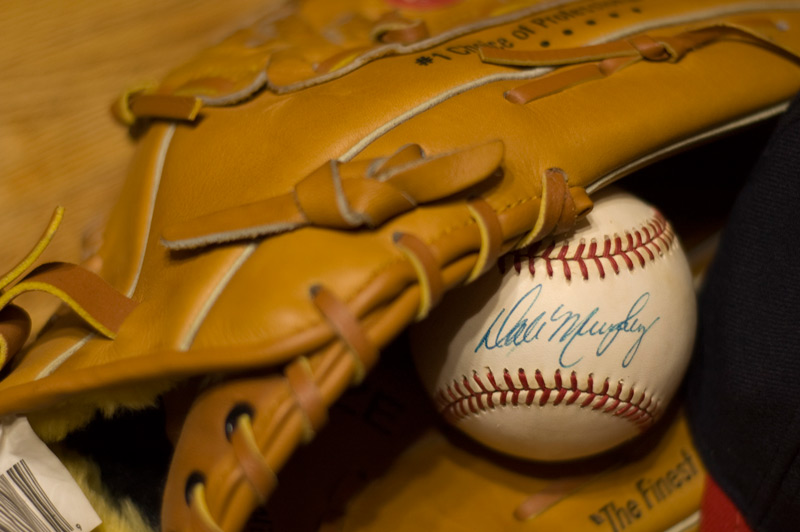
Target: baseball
{"x":568,"y":348}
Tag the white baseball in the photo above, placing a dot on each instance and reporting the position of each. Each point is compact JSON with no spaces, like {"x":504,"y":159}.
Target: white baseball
{"x":577,"y":347}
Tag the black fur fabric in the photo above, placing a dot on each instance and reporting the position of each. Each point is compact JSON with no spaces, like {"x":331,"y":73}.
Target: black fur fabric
{"x":133,"y":454}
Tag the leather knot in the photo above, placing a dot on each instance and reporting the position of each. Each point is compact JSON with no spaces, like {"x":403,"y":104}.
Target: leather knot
{"x":347,"y":195}
{"x":351,"y":195}
{"x":327,"y":200}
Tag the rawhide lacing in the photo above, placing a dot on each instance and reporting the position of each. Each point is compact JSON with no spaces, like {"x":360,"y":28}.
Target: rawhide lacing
{"x":252,"y":463}
{"x":201,"y":519}
{"x":89,"y":296}
{"x":427,"y":268}
{"x":347,"y":195}
{"x":491,"y":236}
{"x":560,"y":206}
{"x":608,"y":58}
{"x":348,"y":329}
{"x":307,"y":396}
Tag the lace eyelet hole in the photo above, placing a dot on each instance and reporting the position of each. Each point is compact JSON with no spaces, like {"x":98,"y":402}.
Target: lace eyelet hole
{"x":238,"y":410}
{"x":194,"y":479}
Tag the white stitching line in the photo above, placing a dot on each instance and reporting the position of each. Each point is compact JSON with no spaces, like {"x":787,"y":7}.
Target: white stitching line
{"x":635,"y":248}
{"x":433,"y":102}
{"x":402,"y":49}
{"x":759,"y":116}
{"x":158,"y":170}
{"x":537,"y":72}
{"x":460,"y":400}
{"x":530,"y":74}
{"x":208,"y":304}
{"x":262,"y":79}
{"x":352,"y":217}
{"x":63,"y":357}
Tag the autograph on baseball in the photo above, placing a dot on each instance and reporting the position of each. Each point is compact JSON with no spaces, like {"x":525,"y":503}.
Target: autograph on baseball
{"x":524,"y":324}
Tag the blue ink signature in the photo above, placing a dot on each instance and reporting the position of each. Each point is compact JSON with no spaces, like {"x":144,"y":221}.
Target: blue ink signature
{"x":524,"y":325}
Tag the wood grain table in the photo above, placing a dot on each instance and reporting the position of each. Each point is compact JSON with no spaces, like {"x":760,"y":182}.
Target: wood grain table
{"x":61,"y":65}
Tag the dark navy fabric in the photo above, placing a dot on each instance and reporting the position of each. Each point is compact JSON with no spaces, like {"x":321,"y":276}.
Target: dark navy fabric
{"x":744,"y":385}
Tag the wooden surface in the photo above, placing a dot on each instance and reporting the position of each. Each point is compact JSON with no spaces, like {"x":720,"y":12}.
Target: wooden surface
{"x":61,"y":65}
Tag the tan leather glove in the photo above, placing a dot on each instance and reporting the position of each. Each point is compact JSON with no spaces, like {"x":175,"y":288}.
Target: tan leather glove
{"x":312,"y":185}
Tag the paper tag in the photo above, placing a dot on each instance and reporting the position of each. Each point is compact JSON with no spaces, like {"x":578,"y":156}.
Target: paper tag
{"x":37,"y":493}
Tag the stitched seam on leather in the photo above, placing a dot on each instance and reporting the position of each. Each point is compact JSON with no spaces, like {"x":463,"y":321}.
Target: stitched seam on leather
{"x":708,"y":14}
{"x":713,"y":133}
{"x":211,"y":300}
{"x":425,"y":44}
{"x":432,"y":242}
{"x":159,"y":171}
{"x":460,"y":400}
{"x":388,"y":126}
{"x":635,"y":249}
{"x":511,"y":206}
{"x":453,"y":228}
{"x":64,"y":356}
{"x":400,"y":259}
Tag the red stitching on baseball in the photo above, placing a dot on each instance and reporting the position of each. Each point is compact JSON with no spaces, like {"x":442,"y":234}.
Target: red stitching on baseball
{"x":461,"y":404}
{"x":640,"y":246}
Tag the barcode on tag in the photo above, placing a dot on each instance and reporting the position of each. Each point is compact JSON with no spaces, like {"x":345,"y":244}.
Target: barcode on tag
{"x":37,"y":493}
{"x":24,"y":506}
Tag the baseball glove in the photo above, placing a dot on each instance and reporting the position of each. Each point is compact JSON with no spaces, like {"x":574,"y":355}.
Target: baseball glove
{"x":312,"y":185}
